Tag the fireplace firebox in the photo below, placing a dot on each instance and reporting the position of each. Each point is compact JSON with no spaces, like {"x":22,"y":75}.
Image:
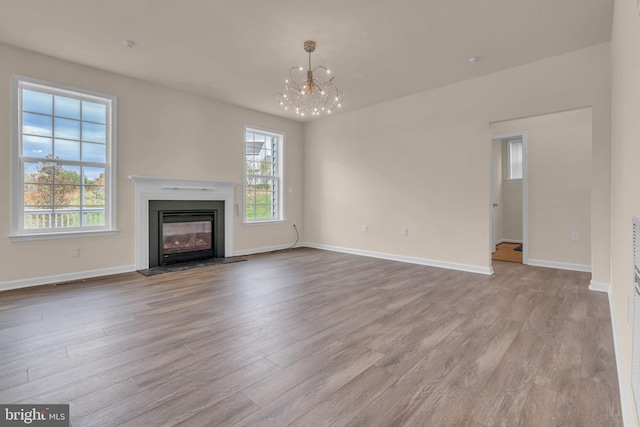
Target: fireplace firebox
{"x":186,"y":236}
{"x":185,"y":230}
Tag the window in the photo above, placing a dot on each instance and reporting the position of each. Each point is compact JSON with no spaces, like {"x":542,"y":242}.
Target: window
{"x":63,"y":141}
{"x":514,"y":159}
{"x":263,"y":179}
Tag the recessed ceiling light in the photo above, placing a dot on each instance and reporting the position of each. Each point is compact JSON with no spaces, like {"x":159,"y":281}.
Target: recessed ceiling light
{"x":128,"y":44}
{"x":473,"y":59}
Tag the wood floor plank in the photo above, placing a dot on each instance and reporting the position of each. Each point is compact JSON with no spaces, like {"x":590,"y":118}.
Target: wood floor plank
{"x":223,"y":413}
{"x":446,"y":406}
{"x":173,"y":393}
{"x":296,"y":402}
{"x":503,"y":397}
{"x":207,"y":393}
{"x":293,"y":375}
{"x":482,"y":355}
{"x":544,"y":407}
{"x":346,"y":403}
{"x":397,"y":404}
{"x":314,"y":343}
{"x":315,"y":338}
{"x":598,"y":362}
{"x":598,"y":405}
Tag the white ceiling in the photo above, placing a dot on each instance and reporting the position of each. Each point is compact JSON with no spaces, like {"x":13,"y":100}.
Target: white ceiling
{"x":240,"y":51}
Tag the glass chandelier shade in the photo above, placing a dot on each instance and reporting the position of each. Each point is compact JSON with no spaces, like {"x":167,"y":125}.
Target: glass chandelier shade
{"x":307,"y":95}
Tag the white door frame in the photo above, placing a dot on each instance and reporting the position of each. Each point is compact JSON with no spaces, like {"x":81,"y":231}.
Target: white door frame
{"x":525,"y":196}
{"x":493,"y":203}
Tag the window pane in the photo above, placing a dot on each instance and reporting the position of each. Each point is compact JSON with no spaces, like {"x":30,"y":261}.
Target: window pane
{"x":40,"y":217}
{"x":515,"y":159}
{"x":36,"y":102}
{"x":37,"y":195}
{"x":96,"y":153}
{"x":94,"y":195}
{"x":66,"y":174}
{"x":93,"y":132}
{"x":94,"y":112}
{"x":68,"y":216}
{"x":92,"y":216}
{"x":35,"y":146}
{"x":35,"y":173}
{"x":93,"y":175}
{"x":67,"y":107}
{"x":66,"y":195}
{"x":36,"y":124}
{"x":266,"y":168}
{"x":67,"y":150}
{"x":68,"y":129}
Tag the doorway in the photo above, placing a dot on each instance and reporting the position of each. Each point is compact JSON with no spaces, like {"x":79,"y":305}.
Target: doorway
{"x":509,"y":202}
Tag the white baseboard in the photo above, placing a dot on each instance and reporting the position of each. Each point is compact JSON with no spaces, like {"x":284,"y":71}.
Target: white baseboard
{"x":412,"y":260}
{"x":559,"y":265}
{"x":600,"y":286}
{"x":263,"y":250}
{"x":625,"y":403}
{"x":61,"y":278}
{"x":508,"y":241}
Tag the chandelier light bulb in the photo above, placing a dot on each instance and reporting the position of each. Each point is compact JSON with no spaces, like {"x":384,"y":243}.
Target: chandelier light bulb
{"x":307,"y":94}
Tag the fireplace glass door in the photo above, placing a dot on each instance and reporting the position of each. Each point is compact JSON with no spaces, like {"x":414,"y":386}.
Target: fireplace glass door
{"x":186,"y":237}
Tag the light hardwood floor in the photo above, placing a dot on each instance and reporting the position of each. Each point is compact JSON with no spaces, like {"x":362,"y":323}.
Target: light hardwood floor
{"x":506,"y":252}
{"x":312,"y":338}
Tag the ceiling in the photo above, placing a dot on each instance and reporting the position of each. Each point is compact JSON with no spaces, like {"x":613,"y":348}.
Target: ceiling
{"x":240,"y":51}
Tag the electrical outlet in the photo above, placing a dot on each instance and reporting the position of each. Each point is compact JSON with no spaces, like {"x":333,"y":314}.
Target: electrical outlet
{"x":575,"y":235}
{"x":365,"y":228}
{"x":75,"y":252}
{"x":290,"y":189}
{"x":404,"y":231}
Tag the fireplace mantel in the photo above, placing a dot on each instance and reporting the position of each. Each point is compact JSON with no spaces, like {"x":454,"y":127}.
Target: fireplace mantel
{"x":157,"y":188}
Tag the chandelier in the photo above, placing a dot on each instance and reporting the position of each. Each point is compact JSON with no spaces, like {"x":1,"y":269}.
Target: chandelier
{"x":310,"y":96}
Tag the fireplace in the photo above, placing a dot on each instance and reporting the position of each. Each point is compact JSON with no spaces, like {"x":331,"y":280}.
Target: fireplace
{"x":186,"y":236}
{"x":185,"y":230}
{"x":150,"y":189}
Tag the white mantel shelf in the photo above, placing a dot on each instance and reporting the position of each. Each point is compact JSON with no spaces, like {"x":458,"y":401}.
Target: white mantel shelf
{"x":157,"y":188}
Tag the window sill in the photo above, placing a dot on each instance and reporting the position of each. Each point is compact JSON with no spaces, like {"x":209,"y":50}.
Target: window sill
{"x":61,"y":235}
{"x":265,"y":222}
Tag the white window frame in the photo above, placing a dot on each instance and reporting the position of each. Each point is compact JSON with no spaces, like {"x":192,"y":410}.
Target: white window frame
{"x":18,"y":231}
{"x":510,"y":142}
{"x":281,"y":136}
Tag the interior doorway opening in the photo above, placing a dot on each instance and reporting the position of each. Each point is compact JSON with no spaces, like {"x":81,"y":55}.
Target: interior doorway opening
{"x":509,"y":204}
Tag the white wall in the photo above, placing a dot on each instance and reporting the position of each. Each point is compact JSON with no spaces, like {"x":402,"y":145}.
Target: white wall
{"x":625,"y":170}
{"x":161,"y":132}
{"x":423,"y":162}
{"x":558,"y":157}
